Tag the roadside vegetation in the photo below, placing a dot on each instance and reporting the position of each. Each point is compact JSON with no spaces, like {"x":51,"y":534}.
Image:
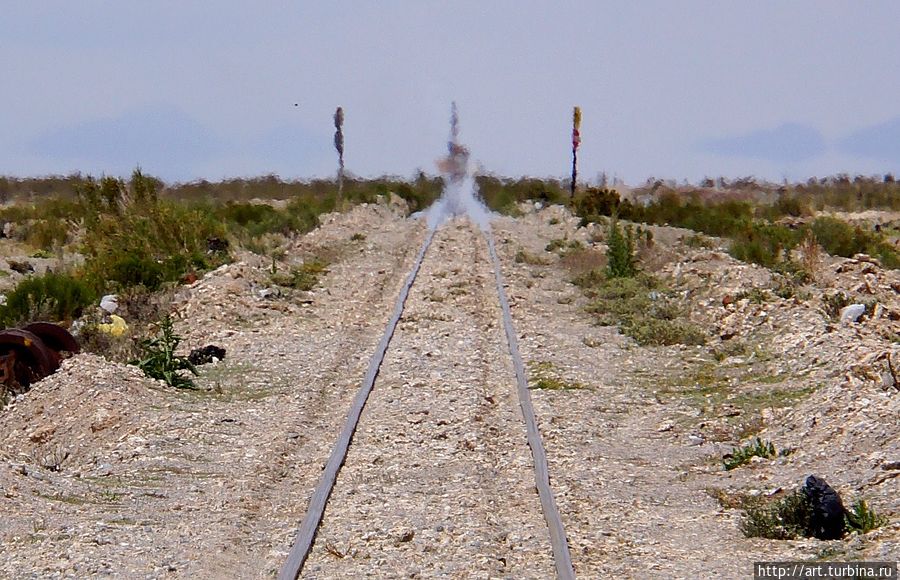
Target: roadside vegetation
{"x":794,"y":516}
{"x":622,"y":295}
{"x":140,"y":237}
{"x":760,"y":232}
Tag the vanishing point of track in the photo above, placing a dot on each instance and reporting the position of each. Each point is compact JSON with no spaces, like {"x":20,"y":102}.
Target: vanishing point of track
{"x":310,"y":525}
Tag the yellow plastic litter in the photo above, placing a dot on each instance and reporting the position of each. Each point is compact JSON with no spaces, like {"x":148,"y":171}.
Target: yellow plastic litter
{"x":115,"y":328}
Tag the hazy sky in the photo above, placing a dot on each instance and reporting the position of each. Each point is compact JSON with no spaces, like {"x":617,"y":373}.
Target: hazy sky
{"x":676,"y":89}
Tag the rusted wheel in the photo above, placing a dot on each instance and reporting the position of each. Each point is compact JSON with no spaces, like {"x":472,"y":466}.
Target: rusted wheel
{"x":33,"y":360}
{"x":54,"y":336}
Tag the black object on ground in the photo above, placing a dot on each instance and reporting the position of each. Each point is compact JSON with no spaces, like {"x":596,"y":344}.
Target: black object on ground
{"x":827,"y":519}
{"x":205,"y":355}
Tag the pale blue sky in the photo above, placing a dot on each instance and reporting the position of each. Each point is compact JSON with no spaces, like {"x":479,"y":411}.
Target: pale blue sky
{"x":675,"y":89}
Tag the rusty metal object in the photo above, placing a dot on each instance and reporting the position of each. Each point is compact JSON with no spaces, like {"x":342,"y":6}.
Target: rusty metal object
{"x":54,"y":336}
{"x":29,"y":354}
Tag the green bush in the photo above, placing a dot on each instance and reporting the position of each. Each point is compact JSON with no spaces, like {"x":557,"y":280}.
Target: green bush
{"x":304,"y":277}
{"x":56,"y":297}
{"x":763,"y":244}
{"x":834,"y":303}
{"x":592,"y":203}
{"x":159,"y":361}
{"x":641,"y":311}
{"x":149,"y":244}
{"x":724,"y":218}
{"x":742,"y":455}
{"x":620,"y":252}
{"x":651,"y":331}
{"x":839,"y":238}
{"x":860,"y":518}
{"x":791,"y":518}
{"x":502,"y":194}
{"x":786,"y":519}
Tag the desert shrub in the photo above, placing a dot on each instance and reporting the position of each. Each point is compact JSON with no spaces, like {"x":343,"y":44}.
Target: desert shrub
{"x":525,"y":257}
{"x":792,"y":517}
{"x":762,"y":243}
{"x":795,"y":272}
{"x":620,"y":252}
{"x":618,"y":300}
{"x":698,"y":241}
{"x":589,"y":281}
{"x":687,"y":211}
{"x":159,"y":361}
{"x":842,"y":192}
{"x":833,"y":303}
{"x":256,"y":218}
{"x":149,"y":244}
{"x":303,"y":277}
{"x":839,"y":238}
{"x":51,"y":296}
{"x":544,"y":375}
{"x":562,"y":246}
{"x":593,"y":202}
{"x":742,"y":455}
{"x":305,"y":212}
{"x":45,"y":224}
{"x":861,"y":518}
{"x":788,"y":204}
{"x":502,"y":194}
{"x":47,"y":233}
{"x":652,"y":331}
{"x":421,"y":193}
{"x":642,"y":311}
{"x":754,"y":295}
{"x":788,"y":518}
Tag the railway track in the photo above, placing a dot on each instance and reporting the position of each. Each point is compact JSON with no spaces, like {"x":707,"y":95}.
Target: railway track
{"x":442,"y":472}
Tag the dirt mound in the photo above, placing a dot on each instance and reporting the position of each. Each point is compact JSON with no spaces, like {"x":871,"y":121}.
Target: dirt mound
{"x":73,"y":418}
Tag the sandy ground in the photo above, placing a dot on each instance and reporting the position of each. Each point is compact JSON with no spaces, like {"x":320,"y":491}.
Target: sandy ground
{"x":156,"y":483}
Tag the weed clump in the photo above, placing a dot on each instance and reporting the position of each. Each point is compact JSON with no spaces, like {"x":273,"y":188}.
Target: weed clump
{"x":525,"y":257}
{"x":800,"y":514}
{"x":620,"y":252}
{"x":159,"y":361}
{"x":743,"y":455}
{"x":303,"y":277}
{"x":49,"y":296}
{"x":834,"y":303}
{"x":563,"y":246}
{"x":641,"y":310}
{"x":787,"y":518}
{"x":545,"y":376}
{"x":839,"y":238}
{"x":861,"y":518}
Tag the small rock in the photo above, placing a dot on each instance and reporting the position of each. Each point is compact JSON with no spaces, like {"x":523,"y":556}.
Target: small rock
{"x":852,"y":313}
{"x":405,"y":535}
{"x":269,"y":293}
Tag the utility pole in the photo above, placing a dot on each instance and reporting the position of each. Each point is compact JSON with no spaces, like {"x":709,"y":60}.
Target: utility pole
{"x":576,"y":141}
{"x":339,"y":145}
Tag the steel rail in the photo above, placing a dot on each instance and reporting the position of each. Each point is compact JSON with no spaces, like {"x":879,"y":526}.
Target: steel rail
{"x":558,"y":540}
{"x":310,"y":525}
